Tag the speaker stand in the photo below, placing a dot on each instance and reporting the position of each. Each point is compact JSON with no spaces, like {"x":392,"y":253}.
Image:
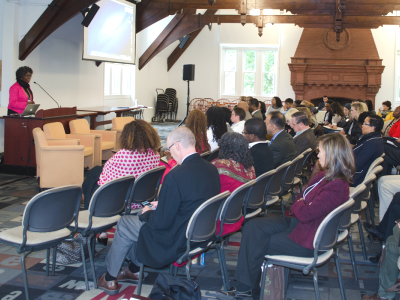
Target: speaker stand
{"x":187,"y":104}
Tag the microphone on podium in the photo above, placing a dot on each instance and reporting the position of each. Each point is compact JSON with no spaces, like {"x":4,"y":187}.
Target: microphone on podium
{"x":47,"y":93}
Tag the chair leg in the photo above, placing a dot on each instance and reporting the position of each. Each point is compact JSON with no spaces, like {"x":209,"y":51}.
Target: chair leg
{"x":362,"y":239}
{"x":83,"y":263}
{"x":91,"y":258}
{"x":353,"y":260}
{"x":263,"y":274}
{"x":287,"y":277}
{"x":282,"y":208}
{"x":224,"y":272}
{"x":139,"y":286}
{"x":339,"y":273}
{"x":47,"y":261}
{"x":188,"y":267}
{"x":315,"y":277}
{"x":366,"y":215}
{"x":371,"y":208}
{"x":23,"y":257}
{"x":53,"y":263}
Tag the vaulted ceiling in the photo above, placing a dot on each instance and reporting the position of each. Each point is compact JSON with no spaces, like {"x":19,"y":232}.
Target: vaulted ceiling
{"x":335,"y":14}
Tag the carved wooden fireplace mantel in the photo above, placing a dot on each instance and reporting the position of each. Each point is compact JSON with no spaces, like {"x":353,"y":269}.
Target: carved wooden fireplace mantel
{"x":347,"y":69}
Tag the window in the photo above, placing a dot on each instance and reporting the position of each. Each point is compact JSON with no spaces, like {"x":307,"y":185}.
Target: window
{"x":118,"y":79}
{"x":249,"y":72}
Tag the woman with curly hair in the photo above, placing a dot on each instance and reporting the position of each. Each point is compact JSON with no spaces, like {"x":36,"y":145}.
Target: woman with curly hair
{"x":140,"y":144}
{"x":234,"y":162}
{"x":216,"y":125}
{"x":276,"y":105}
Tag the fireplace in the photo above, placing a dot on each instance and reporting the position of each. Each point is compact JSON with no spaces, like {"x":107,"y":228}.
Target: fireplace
{"x":348,"y":69}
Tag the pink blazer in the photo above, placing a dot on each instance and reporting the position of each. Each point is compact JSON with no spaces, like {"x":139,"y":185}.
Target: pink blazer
{"x":18,"y":98}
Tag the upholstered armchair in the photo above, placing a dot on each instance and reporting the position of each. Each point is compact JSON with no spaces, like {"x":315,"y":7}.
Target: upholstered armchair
{"x":118,"y":125}
{"x":104,"y":142}
{"x":55,"y":132}
{"x":58,"y":162}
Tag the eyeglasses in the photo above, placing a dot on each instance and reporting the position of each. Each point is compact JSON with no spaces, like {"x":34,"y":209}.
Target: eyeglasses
{"x":368,"y":124}
{"x":172,"y":145}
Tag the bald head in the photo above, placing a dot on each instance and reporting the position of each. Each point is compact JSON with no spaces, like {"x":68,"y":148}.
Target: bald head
{"x":243,"y":105}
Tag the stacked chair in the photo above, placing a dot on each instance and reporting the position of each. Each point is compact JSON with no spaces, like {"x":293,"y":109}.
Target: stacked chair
{"x":105,"y":141}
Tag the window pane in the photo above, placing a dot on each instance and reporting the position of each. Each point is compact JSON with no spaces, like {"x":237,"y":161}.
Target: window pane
{"x":268,"y":84}
{"x":126,"y":80}
{"x":230,"y":83}
{"x":116,"y":79}
{"x":269,"y":61}
{"x":107,"y":75}
{"x":230,"y":60}
{"x":250,"y":61}
{"x":249,"y":83}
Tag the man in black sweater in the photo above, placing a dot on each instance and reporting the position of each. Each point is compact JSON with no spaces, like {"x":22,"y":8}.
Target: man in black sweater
{"x":255,"y":131}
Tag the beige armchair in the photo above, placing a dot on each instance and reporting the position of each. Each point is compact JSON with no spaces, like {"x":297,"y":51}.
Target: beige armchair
{"x":55,"y":132}
{"x":104,"y":142}
{"x":58,"y":162}
{"x":118,"y":125}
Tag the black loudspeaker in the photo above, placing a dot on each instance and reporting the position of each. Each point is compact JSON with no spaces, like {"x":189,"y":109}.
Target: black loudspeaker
{"x":90,"y":15}
{"x":188,"y":72}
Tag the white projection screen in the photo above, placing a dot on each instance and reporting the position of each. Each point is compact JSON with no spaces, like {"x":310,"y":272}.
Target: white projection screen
{"x":111,"y":36}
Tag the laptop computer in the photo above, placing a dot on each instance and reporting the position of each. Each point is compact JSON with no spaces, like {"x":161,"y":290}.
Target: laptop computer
{"x":30,"y":109}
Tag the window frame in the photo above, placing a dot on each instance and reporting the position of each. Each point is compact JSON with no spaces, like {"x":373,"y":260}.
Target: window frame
{"x":240,"y":70}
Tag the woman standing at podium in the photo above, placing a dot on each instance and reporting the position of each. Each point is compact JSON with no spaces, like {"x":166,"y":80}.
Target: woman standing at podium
{"x":20,"y":92}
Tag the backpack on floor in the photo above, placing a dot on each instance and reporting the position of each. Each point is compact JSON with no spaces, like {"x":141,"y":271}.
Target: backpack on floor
{"x":168,"y":287}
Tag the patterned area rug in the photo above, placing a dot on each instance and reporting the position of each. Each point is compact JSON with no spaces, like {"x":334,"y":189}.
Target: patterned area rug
{"x":68,"y":283}
{"x":163,"y":130}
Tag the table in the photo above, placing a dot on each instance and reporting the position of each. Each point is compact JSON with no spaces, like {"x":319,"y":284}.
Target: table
{"x":95,"y":111}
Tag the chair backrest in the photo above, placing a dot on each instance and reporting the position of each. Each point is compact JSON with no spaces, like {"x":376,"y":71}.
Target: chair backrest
{"x":327,"y":232}
{"x":214,"y":154}
{"x":171,"y":94}
{"x":300,"y":164}
{"x":345,"y":223}
{"x":276,"y":183}
{"x":79,"y":126}
{"x":357,"y":190}
{"x":359,"y":197}
{"x":111,"y":198}
{"x":288,"y":177}
{"x":40,"y":141}
{"x":375,"y":163}
{"x":54,"y":130}
{"x":370,"y":178}
{"x":146,"y":186}
{"x":162,"y":102}
{"x":231,"y":210}
{"x":202,"y":225}
{"x":258,"y":193}
{"x":205,"y":154}
{"x":53,"y":209}
{"x":118,"y":123}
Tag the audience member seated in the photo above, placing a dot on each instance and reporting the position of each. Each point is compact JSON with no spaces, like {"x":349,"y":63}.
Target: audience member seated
{"x":276,"y":105}
{"x":338,"y":115}
{"x":288,"y":109}
{"x":140,"y":144}
{"x":389,"y":270}
{"x":157,"y":237}
{"x":312,"y":123}
{"x":234,"y":162}
{"x":255,"y":131}
{"x":352,"y":130}
{"x":388,"y":186}
{"x":238,"y":119}
{"x":385,"y":110}
{"x":368,"y":148}
{"x":294,"y":235}
{"x":329,"y":114}
{"x":370,"y":106}
{"x":297,"y":103}
{"x":254,"y":108}
{"x":347,"y":115}
{"x":393,"y":128}
{"x":391,"y":147}
{"x":216,"y":125}
{"x":305,"y":137}
{"x":322,"y":105}
{"x":282,"y":144}
{"x":245,"y":106}
{"x":263,"y":109}
{"x":227,"y":113}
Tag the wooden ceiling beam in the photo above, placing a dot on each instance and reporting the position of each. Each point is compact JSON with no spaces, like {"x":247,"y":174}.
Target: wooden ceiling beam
{"x":176,"y":54}
{"x":57,"y":13}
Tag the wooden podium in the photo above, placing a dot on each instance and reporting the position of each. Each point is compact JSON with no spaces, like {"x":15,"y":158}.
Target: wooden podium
{"x":19,"y":146}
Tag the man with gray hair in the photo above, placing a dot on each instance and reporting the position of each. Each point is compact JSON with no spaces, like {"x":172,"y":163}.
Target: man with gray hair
{"x":157,"y":237}
{"x":305,"y":137}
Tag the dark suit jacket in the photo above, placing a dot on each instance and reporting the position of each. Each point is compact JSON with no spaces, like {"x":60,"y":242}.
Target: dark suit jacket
{"x":368,"y":148}
{"x":283,"y":148}
{"x":355,"y":133}
{"x":263,"y":158}
{"x":162,"y":240}
{"x":305,"y":140}
{"x":329,"y":114}
{"x":258,"y":114}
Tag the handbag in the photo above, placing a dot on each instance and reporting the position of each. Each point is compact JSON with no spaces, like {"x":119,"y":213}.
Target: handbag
{"x":168,"y":287}
{"x":274,"y":283}
{"x":69,"y":252}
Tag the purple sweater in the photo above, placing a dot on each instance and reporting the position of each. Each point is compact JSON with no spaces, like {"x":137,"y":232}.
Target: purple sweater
{"x":319,"y":202}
